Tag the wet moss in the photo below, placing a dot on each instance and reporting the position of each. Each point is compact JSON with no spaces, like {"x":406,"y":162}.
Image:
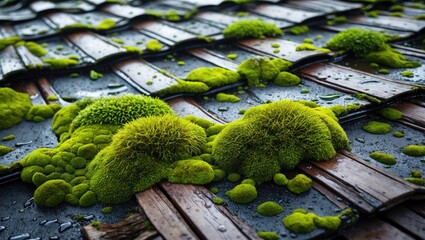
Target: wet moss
{"x":328,"y":222}
{"x":409,"y":74}
{"x":51,"y":193}
{"x":184,"y":87}
{"x":257,"y":69}
{"x":268,"y":235}
{"x":363,"y":96}
{"x":252,"y":28}
{"x":416,"y":173}
{"x":40,"y":113}
{"x":264,"y":144}
{"x":218,"y":201}
{"x":5,"y":42}
{"x":61,"y":63}
{"x":383,"y":157}
{"x":417,"y":181}
{"x":300,"y":222}
{"x":202,"y":122}
{"x":213,"y":77}
{"x":280,"y":179}
{"x":398,"y":134}
{"x":248,"y":181}
{"x":299,"y":184}
{"x":8,"y":138}
{"x":340,"y":110}
{"x":13,"y":107}
{"x":192,"y":171}
{"x":133,"y":49}
{"x":95,"y":75}
{"x":414,"y":150}
{"x":286,"y":79}
{"x":390,"y":113}
{"x":219,"y":174}
{"x":106,"y":24}
{"x":106,"y":210}
{"x":281,"y":64}
{"x":214,"y":190}
{"x":376,"y":127}
{"x":269,"y":209}
{"x":311,"y":47}
{"x":5,"y":150}
{"x":298,"y":30}
{"x":391,"y":58}
{"x":154,"y":45}
{"x":35,"y":49}
{"x":242,"y":193}
{"x":234,"y":177}
{"x":88,"y":199}
{"x":232,"y":56}
{"x":223,"y":97}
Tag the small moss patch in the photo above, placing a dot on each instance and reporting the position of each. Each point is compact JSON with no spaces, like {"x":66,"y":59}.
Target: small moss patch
{"x":269,"y":209}
{"x":414,"y":150}
{"x":251,"y":28}
{"x":383,"y":157}
{"x":224,"y":97}
{"x":106,"y":24}
{"x":299,"y":184}
{"x":391,"y":113}
{"x":242,"y":193}
{"x":154,"y":45}
{"x":298,"y":30}
{"x":286,"y":79}
{"x":39,"y":113}
{"x":376,"y":127}
{"x":268,"y":235}
{"x":13,"y":107}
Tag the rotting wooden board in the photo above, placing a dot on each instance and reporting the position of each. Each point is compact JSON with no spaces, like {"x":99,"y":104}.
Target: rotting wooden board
{"x":284,"y":13}
{"x":356,"y":81}
{"x":187,"y":106}
{"x":163,"y":215}
{"x":164,"y":31}
{"x":10,"y":61}
{"x":418,"y":206}
{"x":408,"y":220}
{"x":412,"y":113}
{"x":218,"y":19}
{"x":214,"y":58}
{"x":61,"y":20}
{"x":124,"y":11}
{"x":391,"y":22}
{"x":28,"y":58}
{"x":46,"y":90}
{"x":374,"y":229}
{"x":202,"y":214}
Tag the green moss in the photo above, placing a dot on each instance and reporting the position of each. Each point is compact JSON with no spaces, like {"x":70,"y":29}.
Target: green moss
{"x":416,"y":173}
{"x":61,"y":63}
{"x":4,"y":42}
{"x":248,"y":181}
{"x":51,"y":193}
{"x":218,"y":201}
{"x":35,"y":49}
{"x":8,"y":138}
{"x":106,"y":210}
{"x":192,"y":171}
{"x":87,"y":151}
{"x":13,"y":107}
{"x":374,"y":65}
{"x":414,"y":150}
{"x":391,"y":58}
{"x":232,"y":56}
{"x":280,"y":179}
{"x":300,"y":222}
{"x":252,"y":28}
{"x":363,"y":96}
{"x":376,"y":127}
{"x":298,"y":30}
{"x":154,"y":46}
{"x":407,"y":74}
{"x":311,"y":47}
{"x":214,"y":190}
{"x":116,"y":171}
{"x":256,"y":69}
{"x":88,"y":199}
{"x":390,"y":113}
{"x":398,"y":134}
{"x":215,"y":129}
{"x":133,"y":49}
{"x":269,"y":209}
{"x":80,"y":189}
{"x":417,"y":181}
{"x":383,"y":157}
{"x":234,"y":177}
{"x":242,"y":193}
{"x":219,"y":174}
{"x":119,"y":110}
{"x":202,"y":122}
{"x":4,"y":150}
{"x":213,"y":77}
{"x":96,"y":224}
{"x":328,"y":222}
{"x":223,"y":97}
{"x":39,"y":113}
{"x":286,"y":79}
{"x":268,"y":235}
{"x":95,"y":75}
{"x":106,"y":24}
{"x":299,"y":184}
{"x":184,"y":87}
{"x":259,"y":145}
{"x":52,"y":98}
{"x":339,"y":19}
{"x":37,"y":157}
{"x":282,"y":65}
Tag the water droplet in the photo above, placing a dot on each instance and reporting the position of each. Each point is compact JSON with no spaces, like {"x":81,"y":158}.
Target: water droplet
{"x":2,"y":228}
{"x":22,"y":143}
{"x":29,"y":202}
{"x":221,"y":228}
{"x":54,"y":238}
{"x":42,"y":222}
{"x":14,"y":202}
{"x":339,"y":199}
{"x":293,"y":235}
{"x":21,"y":210}
{"x":89,"y":217}
{"x":20,"y":237}
{"x":65,"y":226}
{"x":51,"y":222}
{"x":5,"y":219}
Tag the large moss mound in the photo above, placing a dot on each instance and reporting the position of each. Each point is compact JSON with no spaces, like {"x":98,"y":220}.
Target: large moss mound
{"x":13,"y":107}
{"x":277,"y":135}
{"x":143,"y":152}
{"x":251,"y":28}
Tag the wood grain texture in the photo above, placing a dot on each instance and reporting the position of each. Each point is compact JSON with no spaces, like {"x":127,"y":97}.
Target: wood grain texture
{"x":374,"y":229}
{"x":408,"y":220}
{"x":412,"y":113}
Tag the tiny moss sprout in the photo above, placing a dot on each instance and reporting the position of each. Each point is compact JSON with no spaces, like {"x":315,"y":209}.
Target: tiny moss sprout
{"x":4,"y":150}
{"x":253,"y":28}
{"x":60,"y":63}
{"x":384,"y":71}
{"x":234,"y":177}
{"x":232,"y":56}
{"x":13,"y":107}
{"x":383,"y":158}
{"x":414,"y":150}
{"x":154,"y":46}
{"x":133,"y":49}
{"x":398,"y":134}
{"x":224,"y":97}
{"x":106,"y":210}
{"x":5,"y":42}
{"x":218,"y":201}
{"x":408,"y":74}
{"x":106,"y":24}
{"x":35,"y":49}
{"x":214,"y":190}
{"x":95,"y":75}
{"x":8,"y":137}
{"x":269,"y":209}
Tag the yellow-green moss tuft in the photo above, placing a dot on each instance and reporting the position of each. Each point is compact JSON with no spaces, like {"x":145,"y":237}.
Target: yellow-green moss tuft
{"x":414,"y":150}
{"x":217,"y":201}
{"x":257,"y":69}
{"x":5,"y":150}
{"x":133,"y":49}
{"x":298,"y":30}
{"x":328,"y":222}
{"x":60,"y":63}
{"x":248,"y":181}
{"x":223,"y":97}
{"x":383,"y":157}
{"x":13,"y":107}
{"x":242,"y":193}
{"x":252,"y":28}
{"x":286,"y":79}
{"x":106,"y":210}
{"x":232,"y":56}
{"x":213,"y":77}
{"x":269,"y":209}
{"x":280,"y":179}
{"x":268,"y":235}
{"x":376,"y":127}
{"x":154,"y":45}
{"x":282,"y":65}
{"x":35,"y":49}
{"x":299,"y":184}
{"x":234,"y":177}
{"x":192,"y":171}
{"x":39,"y":113}
{"x":4,"y":42}
{"x":106,"y":24}
{"x":300,"y":222}
{"x":8,"y":138}
{"x":391,"y":113}
{"x":51,"y":193}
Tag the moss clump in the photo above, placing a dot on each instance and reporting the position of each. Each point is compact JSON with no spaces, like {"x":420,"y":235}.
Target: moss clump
{"x":268,"y":235}
{"x":242,"y":193}
{"x":282,"y":65}
{"x":135,"y":162}
{"x":311,"y":47}
{"x":8,"y":137}
{"x":4,"y":42}
{"x":253,"y":28}
{"x":219,"y":174}
{"x":120,"y":110}
{"x":298,"y":30}
{"x":52,"y":98}
{"x":248,"y":181}
{"x":376,"y":127}
{"x":106,"y":24}
{"x":184,"y":87}
{"x":277,"y":135}
{"x":391,"y":113}
{"x":89,"y":198}
{"x":416,"y":173}
{"x":363,"y":96}
{"x":299,"y":184}
{"x":95,"y":75}
{"x":13,"y":107}
{"x":269,"y":209}
{"x":329,"y":222}
{"x":258,"y":68}
{"x":204,"y":123}
{"x":371,"y":46}
{"x":51,"y":193}
{"x":398,"y":134}
{"x":340,"y":110}
{"x":384,"y":71}
{"x":414,"y":150}
{"x":223,"y":97}
{"x":133,"y":49}
{"x":383,"y":157}
{"x":218,"y":201}
{"x":232,"y":56}
{"x":4,"y":150}
{"x":280,"y":179}
{"x":300,"y":221}
{"x":192,"y":171}
{"x":407,"y":74}
{"x":106,"y":210}
{"x":417,"y":181}
{"x":154,"y":45}
{"x":35,"y":49}
{"x":41,"y":112}
{"x":286,"y":79}
{"x":60,"y":63}
{"x":213,"y":77}
{"x":234,"y":177}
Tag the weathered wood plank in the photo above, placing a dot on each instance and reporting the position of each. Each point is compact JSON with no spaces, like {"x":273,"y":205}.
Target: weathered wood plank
{"x":188,"y":106}
{"x":374,"y":229}
{"x":163,"y":215}
{"x":412,"y":113}
{"x":203,"y":215}
{"x":418,"y":206}
{"x":408,"y":220}
{"x":284,"y":13}
{"x":129,"y":228}
{"x":46,"y":90}
{"x":212,"y":57}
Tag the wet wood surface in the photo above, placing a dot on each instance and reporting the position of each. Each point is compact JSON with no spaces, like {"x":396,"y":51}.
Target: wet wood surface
{"x":173,"y":34}
{"x":374,"y":229}
{"x":412,"y":113}
{"x":213,"y":58}
{"x":408,"y":220}
{"x":391,"y":22}
{"x":125,"y":11}
{"x":284,"y":13}
{"x":10,"y":61}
